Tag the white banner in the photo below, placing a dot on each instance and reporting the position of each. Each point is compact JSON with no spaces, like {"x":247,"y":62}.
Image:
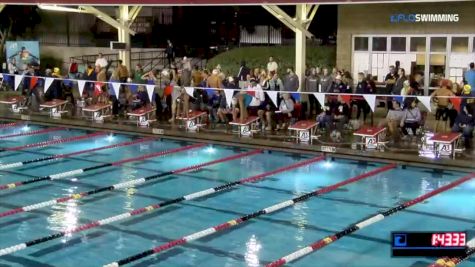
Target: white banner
{"x":150,"y":90}
{"x":320,"y":98}
{"x":425,"y":100}
{"x":48,"y":82}
{"x":190,"y":91}
{"x":116,"y":87}
{"x":273,"y":96}
{"x":18,"y":79}
{"x":371,"y":99}
{"x":81,"y":84}
{"x":229,"y":96}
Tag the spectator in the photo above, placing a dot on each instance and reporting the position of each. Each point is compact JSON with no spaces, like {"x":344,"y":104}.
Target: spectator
{"x":362,"y":88}
{"x":291,"y":81}
{"x":338,"y":86}
{"x":73,"y":69}
{"x":170,"y":51}
{"x":469,"y":96}
{"x":196,"y":76}
{"x":138,"y":73}
{"x":255,"y":73}
{"x":185,"y":77}
{"x":417,"y":83}
{"x":411,"y":118}
{"x":55,"y":91}
{"x":264,"y":80}
{"x":341,"y":113}
{"x":348,"y":81}
{"x":399,"y":85}
{"x":335,"y":72}
{"x":275,"y":83}
{"x":101,"y":61}
{"x":101,"y":74}
{"x":284,"y":114}
{"x":213,"y":106}
{"x":390,"y":80}
{"x":464,"y":123}
{"x":326,"y":81}
{"x":311,"y":85}
{"x":371,"y":84}
{"x":123,"y":72}
{"x":257,"y":104}
{"x":214,"y":81}
{"x":393,"y":120}
{"x":470,"y":75}
{"x":243,"y":72}
{"x":272,"y":66}
{"x":441,"y":97}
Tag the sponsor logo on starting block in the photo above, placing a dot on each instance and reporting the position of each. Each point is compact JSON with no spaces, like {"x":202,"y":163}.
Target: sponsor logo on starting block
{"x":191,"y":125}
{"x":158,"y":131}
{"x":143,"y":122}
{"x":371,"y":142}
{"x":445,"y":149}
{"x":246,"y":130}
{"x":328,"y":149}
{"x":98,"y":117}
{"x":304,"y":136}
{"x":55,"y":113}
{"x":15,"y":108}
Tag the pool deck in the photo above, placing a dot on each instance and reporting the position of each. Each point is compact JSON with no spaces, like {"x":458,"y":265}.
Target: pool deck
{"x":223,"y":135}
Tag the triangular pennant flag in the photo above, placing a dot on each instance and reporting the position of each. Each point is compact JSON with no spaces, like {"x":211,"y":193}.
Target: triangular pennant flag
{"x":320,"y":98}
{"x":18,"y":79}
{"x":456,"y":102}
{"x":98,"y":88}
{"x":190,"y":91}
{"x":273,"y":96}
{"x":150,"y":90}
{"x":346,"y":98}
{"x":81,"y":84}
{"x":229,"y":96}
{"x":48,"y":82}
{"x":371,"y":100}
{"x":425,"y":100}
{"x":116,"y":87}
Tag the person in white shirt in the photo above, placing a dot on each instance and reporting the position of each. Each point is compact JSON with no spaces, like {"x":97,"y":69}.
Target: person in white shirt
{"x":284,"y":114}
{"x":272,"y":66}
{"x":101,"y":61}
{"x":257,"y":105}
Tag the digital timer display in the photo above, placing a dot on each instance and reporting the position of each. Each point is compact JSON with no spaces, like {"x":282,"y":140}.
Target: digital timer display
{"x":436,"y":244}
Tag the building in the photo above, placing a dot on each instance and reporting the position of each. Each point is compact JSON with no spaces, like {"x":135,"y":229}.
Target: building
{"x":372,"y":37}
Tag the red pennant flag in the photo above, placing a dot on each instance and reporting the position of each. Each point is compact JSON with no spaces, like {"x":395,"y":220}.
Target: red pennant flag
{"x":456,"y":101}
{"x":33,"y":82}
{"x":346,"y":98}
{"x":97,"y":88}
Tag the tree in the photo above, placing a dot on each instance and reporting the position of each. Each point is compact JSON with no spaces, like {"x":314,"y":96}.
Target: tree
{"x":16,"y":21}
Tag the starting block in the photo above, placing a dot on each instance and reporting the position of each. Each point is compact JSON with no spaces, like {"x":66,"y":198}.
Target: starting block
{"x":445,"y":144}
{"x":99,"y":111}
{"x":194,"y":120}
{"x":372,"y":137}
{"x":16,"y":103}
{"x":304,"y":130}
{"x":246,"y":127}
{"x":56,"y":107}
{"x":142,"y":115}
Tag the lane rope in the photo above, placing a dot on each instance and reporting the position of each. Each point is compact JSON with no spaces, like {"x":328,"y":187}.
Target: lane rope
{"x":451,"y":262}
{"x":96,"y":167}
{"x":366,"y":222}
{"x":245,"y":218}
{"x":11,"y":124}
{"x":34,"y":132}
{"x":149,"y":208}
{"x":60,"y":156}
{"x":127,"y":184}
{"x":55,"y":142}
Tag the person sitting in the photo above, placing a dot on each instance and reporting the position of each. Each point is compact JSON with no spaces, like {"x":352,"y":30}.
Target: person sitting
{"x":393,"y":119}
{"x":464,"y":123}
{"x":213,"y":105}
{"x":324,"y":119}
{"x":411,"y":118}
{"x":284,"y":114}
{"x":257,"y":105}
{"x":338,"y":86}
{"x":341,"y":113}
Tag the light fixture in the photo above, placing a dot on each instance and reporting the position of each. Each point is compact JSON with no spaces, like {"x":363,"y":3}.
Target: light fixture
{"x":61,"y":8}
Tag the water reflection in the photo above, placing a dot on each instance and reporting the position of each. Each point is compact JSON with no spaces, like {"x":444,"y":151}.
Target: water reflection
{"x":252,"y":253}
{"x":65,"y":215}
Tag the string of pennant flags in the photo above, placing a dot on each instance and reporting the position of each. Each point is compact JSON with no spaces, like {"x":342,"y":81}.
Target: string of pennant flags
{"x":229,"y":93}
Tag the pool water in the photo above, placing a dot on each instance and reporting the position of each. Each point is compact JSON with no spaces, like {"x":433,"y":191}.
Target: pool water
{"x":253,"y":243}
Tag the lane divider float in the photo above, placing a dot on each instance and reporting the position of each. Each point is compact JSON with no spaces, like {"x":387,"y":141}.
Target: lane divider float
{"x":127,"y":184}
{"x":11,"y":124}
{"x":34,"y":132}
{"x":365,"y":223}
{"x":96,"y":167}
{"x":451,"y":262}
{"x":60,"y":156}
{"x":149,"y":208}
{"x":245,"y":218}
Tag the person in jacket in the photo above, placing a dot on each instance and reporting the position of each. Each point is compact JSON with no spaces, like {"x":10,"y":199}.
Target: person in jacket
{"x":243,"y":72}
{"x":464,"y":123}
{"x":325,"y":82}
{"x":311,"y":85}
{"x":411,"y":118}
{"x":362,"y":88}
{"x":291,"y":81}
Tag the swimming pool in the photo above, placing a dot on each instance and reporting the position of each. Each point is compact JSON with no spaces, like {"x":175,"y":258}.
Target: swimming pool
{"x":39,"y":208}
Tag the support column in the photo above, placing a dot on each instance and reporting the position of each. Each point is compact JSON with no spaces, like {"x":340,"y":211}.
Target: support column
{"x":300,"y":43}
{"x":124,"y":36}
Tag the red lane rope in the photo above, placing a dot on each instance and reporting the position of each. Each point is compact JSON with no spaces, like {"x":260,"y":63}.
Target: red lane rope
{"x":12,"y":124}
{"x":42,"y":131}
{"x":364,"y":223}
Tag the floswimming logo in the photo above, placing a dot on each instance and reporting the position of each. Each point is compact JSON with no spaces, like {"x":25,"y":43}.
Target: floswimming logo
{"x":422,"y":18}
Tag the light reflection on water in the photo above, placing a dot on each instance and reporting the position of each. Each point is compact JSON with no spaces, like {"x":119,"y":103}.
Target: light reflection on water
{"x":253,"y":246}
{"x":65,"y":216}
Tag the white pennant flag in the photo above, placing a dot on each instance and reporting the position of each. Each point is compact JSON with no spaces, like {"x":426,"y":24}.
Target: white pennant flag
{"x":190,"y":91}
{"x":116,"y":87}
{"x":150,"y":90}
{"x":229,"y":96}
{"x":48,"y":82}
{"x":371,"y":100}
{"x":320,"y":98}
{"x":425,"y":100}
{"x":273,"y":96}
{"x":18,"y":79}
{"x":81,"y":84}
